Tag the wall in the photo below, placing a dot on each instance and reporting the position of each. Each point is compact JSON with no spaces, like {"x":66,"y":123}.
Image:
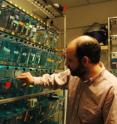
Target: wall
{"x":79,"y":18}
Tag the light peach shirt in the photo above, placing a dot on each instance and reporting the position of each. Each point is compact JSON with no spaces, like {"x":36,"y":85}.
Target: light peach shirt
{"x":89,"y":102}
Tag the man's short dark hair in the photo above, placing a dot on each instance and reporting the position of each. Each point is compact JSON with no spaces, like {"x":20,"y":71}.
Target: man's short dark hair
{"x":91,"y":49}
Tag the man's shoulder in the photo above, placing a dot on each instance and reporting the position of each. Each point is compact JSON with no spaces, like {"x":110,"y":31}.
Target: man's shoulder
{"x":104,"y":83}
{"x":109,"y":77}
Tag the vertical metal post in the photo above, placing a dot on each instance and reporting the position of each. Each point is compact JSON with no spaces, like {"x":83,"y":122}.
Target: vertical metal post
{"x":65,"y":44}
{"x":66,"y":91}
{"x":109,"y":45}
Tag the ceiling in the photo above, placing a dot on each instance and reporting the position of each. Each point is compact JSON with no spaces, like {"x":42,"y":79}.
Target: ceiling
{"x":76,"y":3}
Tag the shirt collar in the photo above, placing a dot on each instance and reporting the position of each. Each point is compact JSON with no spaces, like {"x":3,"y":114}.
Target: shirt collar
{"x":93,"y":78}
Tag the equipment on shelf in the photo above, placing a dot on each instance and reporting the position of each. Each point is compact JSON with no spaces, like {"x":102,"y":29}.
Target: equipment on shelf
{"x":98,"y":31}
{"x":112,"y":41}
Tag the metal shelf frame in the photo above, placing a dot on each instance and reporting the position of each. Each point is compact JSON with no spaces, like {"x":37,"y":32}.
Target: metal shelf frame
{"x":14,"y":99}
{"x":111,"y":37}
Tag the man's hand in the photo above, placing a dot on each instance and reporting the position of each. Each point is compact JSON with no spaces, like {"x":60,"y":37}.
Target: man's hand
{"x":26,"y":78}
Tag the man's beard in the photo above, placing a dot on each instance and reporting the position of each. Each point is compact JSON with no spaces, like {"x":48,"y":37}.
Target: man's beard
{"x":80,"y":71}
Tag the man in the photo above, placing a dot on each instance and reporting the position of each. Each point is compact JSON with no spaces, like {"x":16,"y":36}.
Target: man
{"x":92,"y":89}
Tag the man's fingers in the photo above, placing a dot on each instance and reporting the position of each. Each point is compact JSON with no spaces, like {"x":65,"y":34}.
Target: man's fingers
{"x":21,"y":77}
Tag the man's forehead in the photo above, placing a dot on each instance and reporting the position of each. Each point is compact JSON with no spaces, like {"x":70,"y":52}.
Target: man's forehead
{"x":70,"y":51}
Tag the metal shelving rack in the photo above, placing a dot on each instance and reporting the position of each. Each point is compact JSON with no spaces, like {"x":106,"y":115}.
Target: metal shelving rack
{"x":51,"y":12}
{"x":112,"y":44}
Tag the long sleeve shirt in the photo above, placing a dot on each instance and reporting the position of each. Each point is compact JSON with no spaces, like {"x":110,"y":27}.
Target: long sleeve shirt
{"x":89,"y":102}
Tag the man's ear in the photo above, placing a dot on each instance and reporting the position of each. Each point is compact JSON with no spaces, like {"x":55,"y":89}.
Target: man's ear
{"x":85,"y":60}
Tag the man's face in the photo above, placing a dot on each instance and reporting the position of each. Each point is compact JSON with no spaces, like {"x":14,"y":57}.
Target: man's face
{"x":76,"y":67}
